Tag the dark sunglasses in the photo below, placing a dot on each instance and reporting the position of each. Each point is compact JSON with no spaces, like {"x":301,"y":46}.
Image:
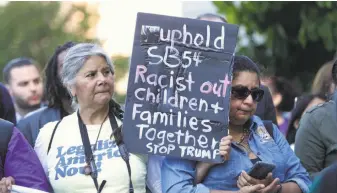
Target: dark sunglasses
{"x":242,"y":92}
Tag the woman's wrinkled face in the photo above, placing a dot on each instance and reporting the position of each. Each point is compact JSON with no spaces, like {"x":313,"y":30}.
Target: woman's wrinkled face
{"x":94,"y":84}
{"x":242,"y":109}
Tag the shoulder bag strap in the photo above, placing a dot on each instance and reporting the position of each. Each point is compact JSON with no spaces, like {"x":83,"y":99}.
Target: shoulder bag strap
{"x":122,"y":149}
{"x":88,"y":150}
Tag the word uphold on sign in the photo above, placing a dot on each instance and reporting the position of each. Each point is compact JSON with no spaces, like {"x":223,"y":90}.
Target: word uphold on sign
{"x":185,"y":37}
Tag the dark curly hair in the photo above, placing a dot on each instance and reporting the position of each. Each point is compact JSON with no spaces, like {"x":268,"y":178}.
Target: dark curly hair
{"x":54,"y":89}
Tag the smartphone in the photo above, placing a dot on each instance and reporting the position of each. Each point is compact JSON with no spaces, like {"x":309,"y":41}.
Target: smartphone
{"x":261,"y":169}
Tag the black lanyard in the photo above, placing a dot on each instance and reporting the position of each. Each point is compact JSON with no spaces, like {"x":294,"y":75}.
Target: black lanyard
{"x":89,"y":154}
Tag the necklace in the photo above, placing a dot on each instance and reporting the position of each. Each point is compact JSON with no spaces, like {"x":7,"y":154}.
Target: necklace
{"x":244,"y":137}
{"x":87,"y":167}
{"x":244,"y":140}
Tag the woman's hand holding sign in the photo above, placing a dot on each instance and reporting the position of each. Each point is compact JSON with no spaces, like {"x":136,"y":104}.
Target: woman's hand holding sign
{"x":203,"y":167}
{"x":225,"y":147}
{"x":6,"y":184}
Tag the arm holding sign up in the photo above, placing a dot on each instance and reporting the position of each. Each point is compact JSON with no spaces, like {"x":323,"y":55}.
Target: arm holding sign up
{"x":203,"y":167}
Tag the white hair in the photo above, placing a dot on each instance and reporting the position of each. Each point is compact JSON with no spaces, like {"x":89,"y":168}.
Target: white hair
{"x":75,"y":60}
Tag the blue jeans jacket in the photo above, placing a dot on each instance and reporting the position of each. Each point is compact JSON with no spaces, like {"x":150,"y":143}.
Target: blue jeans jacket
{"x":178,"y":174}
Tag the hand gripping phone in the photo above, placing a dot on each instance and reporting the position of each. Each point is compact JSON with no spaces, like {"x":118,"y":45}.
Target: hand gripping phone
{"x":260,"y":170}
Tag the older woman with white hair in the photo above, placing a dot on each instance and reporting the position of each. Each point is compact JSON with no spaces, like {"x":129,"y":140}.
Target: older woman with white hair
{"x":84,"y":151}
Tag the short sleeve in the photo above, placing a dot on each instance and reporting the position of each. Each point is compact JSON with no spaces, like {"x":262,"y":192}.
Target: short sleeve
{"x":42,"y":143}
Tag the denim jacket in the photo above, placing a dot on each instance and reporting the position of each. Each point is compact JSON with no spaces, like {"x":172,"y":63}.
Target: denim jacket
{"x":178,"y":174}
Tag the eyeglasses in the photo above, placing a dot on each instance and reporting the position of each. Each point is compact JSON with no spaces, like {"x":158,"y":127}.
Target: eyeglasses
{"x":242,"y":92}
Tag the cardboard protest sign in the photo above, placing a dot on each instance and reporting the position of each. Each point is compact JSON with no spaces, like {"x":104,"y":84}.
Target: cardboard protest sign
{"x":179,"y":87}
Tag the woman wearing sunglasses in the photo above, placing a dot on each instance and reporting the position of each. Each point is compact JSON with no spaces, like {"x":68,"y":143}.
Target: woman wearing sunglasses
{"x":251,"y":142}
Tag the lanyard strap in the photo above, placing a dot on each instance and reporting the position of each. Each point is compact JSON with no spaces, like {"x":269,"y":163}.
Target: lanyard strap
{"x":88,"y":154}
{"x":122,"y":149}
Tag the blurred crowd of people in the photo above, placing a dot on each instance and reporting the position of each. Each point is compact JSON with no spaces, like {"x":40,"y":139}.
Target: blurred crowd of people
{"x":63,"y":131}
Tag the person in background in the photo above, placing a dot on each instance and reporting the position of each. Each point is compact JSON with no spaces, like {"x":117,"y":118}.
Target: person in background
{"x":283,"y":95}
{"x":18,"y":161}
{"x":316,"y":138}
{"x":7,"y":110}
{"x":251,"y":142}
{"x":323,"y":84}
{"x":56,"y":95}
{"x":321,"y":91}
{"x":302,"y":104}
{"x":23,"y":81}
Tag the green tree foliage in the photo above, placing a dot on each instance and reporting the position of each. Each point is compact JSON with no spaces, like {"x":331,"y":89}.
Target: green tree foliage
{"x":34,"y":29}
{"x":121,"y":64}
{"x":299,"y":37}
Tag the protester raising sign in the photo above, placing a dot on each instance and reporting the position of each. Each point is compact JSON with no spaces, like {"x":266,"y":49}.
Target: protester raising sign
{"x":179,"y":87}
